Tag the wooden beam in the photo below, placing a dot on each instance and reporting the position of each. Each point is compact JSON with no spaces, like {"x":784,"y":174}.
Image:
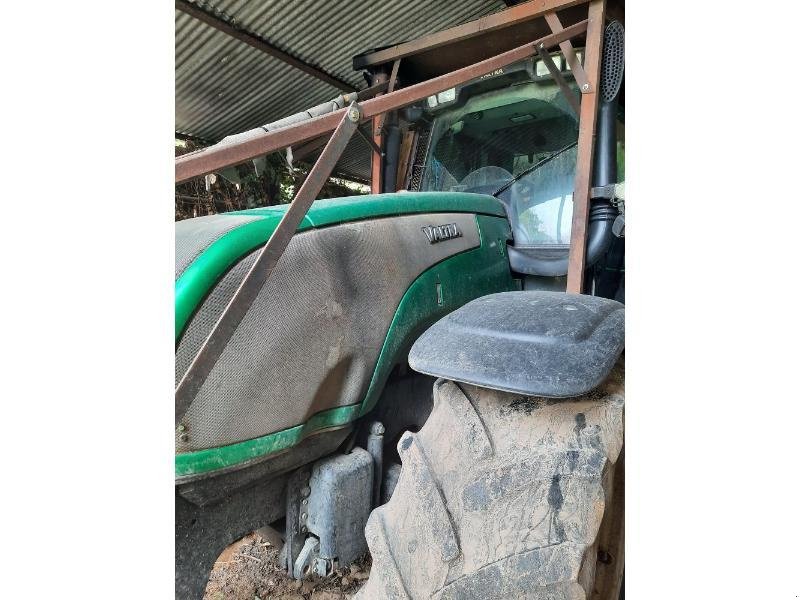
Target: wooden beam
{"x":586,"y":138}
{"x":500,"y":20}
{"x":259,"y":43}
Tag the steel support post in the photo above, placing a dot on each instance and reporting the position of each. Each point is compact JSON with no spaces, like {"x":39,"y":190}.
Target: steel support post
{"x":586,"y":138}
{"x":376,"y":178}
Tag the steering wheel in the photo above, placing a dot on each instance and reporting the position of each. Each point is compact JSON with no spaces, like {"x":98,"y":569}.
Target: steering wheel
{"x":485,"y":177}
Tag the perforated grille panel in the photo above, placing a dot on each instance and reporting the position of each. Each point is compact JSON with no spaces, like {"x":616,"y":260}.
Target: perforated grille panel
{"x":613,"y":65}
{"x":192,"y":236}
{"x":418,"y":168}
{"x":204,"y":319}
{"x":312,"y":337}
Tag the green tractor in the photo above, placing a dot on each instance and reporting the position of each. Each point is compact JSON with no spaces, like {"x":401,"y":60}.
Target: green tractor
{"x":413,"y":372}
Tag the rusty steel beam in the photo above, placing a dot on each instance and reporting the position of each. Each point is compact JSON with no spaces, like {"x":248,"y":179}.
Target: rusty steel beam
{"x":310,"y":146}
{"x":586,"y":138}
{"x":259,"y":43}
{"x":217,"y":157}
{"x":500,"y":20}
{"x":569,"y":52}
{"x":376,"y":158}
{"x":372,"y":91}
{"x":265,"y":262}
{"x":569,"y":95}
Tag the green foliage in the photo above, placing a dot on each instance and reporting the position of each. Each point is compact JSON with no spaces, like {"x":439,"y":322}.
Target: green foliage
{"x":240,"y":187}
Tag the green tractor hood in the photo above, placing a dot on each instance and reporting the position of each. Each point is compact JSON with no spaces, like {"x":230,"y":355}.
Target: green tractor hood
{"x":200,"y":276}
{"x":208,"y":249}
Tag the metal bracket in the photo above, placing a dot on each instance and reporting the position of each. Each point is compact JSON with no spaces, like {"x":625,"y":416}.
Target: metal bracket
{"x":264,"y":264}
{"x":375,"y":448}
{"x":573,"y":100}
{"x":618,"y":202}
{"x":309,"y":562}
{"x":297,"y":492}
{"x":307,"y":558}
{"x":322,"y":567}
{"x":615,"y":194}
{"x":618,"y":226}
{"x":609,"y":192}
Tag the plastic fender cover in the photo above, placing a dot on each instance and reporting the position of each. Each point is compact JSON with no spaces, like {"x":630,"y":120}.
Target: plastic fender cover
{"x":549,"y":344}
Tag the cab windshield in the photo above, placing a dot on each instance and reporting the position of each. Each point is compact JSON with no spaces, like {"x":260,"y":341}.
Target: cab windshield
{"x":518,"y":143}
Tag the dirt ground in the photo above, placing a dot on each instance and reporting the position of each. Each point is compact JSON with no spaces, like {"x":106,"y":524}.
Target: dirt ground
{"x":248,"y":570}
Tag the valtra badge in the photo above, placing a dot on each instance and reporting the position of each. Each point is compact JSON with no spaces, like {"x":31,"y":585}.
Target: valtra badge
{"x":439,"y":233}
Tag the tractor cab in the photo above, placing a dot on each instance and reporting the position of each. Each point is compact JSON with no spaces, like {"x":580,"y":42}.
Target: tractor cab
{"x":512,"y":135}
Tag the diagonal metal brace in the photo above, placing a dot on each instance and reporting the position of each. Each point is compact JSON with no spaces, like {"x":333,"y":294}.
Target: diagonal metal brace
{"x":367,"y":138}
{"x":569,"y":52}
{"x":574,"y":101}
{"x":264,"y":264}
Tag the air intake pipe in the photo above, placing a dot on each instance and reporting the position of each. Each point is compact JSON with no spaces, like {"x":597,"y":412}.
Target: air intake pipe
{"x":602,"y":213}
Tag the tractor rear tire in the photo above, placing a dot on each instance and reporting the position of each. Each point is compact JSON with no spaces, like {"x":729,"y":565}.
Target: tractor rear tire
{"x":503,"y":496}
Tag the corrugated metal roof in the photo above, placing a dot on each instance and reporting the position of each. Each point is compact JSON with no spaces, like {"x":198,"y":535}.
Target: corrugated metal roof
{"x":223,"y":86}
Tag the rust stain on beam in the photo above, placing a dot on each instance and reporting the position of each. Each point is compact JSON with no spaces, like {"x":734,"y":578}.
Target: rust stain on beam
{"x":259,"y":43}
{"x":217,"y":157}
